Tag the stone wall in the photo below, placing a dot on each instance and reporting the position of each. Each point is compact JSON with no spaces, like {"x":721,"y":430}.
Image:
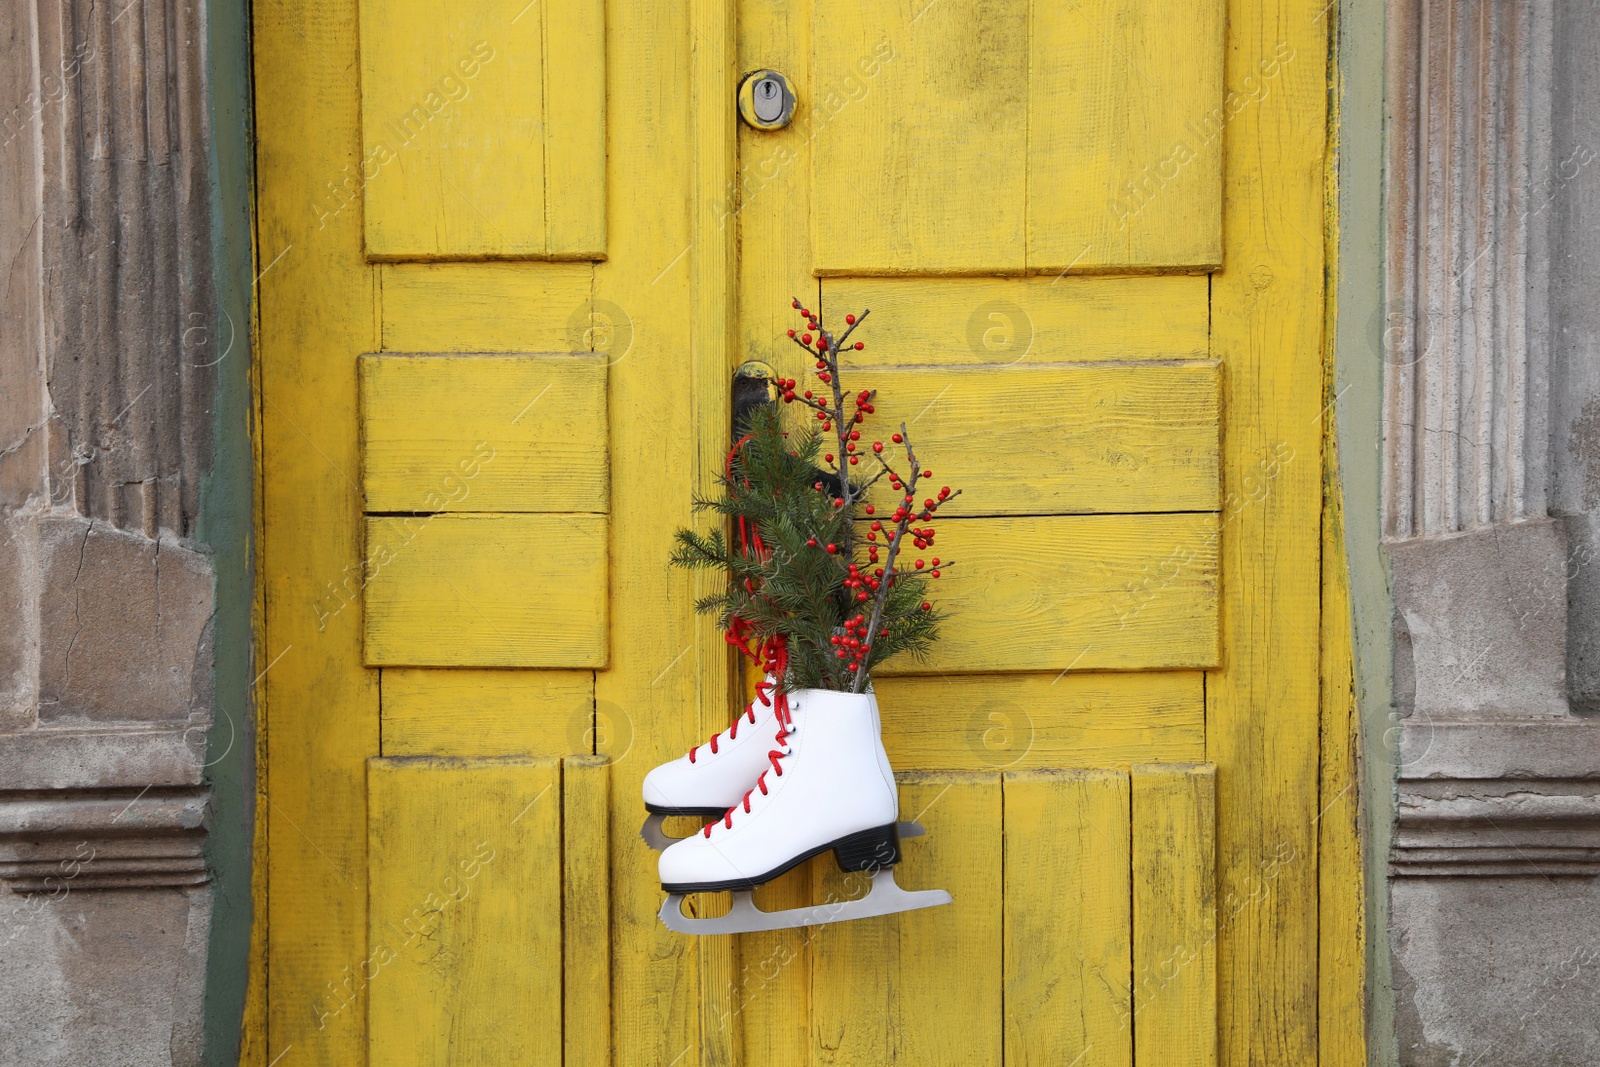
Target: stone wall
{"x":107,"y":401}
{"x":1488,"y":509}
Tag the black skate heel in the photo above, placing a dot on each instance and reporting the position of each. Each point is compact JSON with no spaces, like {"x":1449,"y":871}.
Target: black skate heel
{"x":876,"y":849}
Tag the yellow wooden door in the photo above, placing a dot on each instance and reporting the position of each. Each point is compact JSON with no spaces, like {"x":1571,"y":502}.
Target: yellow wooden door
{"x":510,"y":253}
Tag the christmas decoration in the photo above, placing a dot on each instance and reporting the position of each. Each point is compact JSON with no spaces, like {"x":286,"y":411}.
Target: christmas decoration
{"x":829,"y":578}
{"x":818,"y":592}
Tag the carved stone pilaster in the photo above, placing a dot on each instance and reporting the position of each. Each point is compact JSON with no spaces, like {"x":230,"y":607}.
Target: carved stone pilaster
{"x":108,"y":352}
{"x":1466,"y":393}
{"x":103,"y":839}
{"x":1496,"y":843}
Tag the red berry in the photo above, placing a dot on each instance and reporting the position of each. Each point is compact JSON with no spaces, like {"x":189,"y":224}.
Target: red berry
{"x":871,"y":509}
{"x":849,"y":320}
{"x":926,"y":473}
{"x":854,"y":460}
{"x":877,"y":446}
{"x":876,"y":525}
{"x":935,"y":572}
{"x":897,"y":438}
{"x":859,"y":346}
{"x":919,"y":562}
{"x":794,"y":303}
{"x":927,"y":503}
{"x":861,"y":596}
{"x":817,"y":486}
{"x":822,"y":344}
{"x":935,"y":561}
{"x":838,"y":503}
{"x":805,"y":338}
{"x":808,"y":397}
{"x":791,"y":333}
{"x":855,"y":435}
{"x":811,"y":542}
{"x":805,"y":313}
{"x":926,"y":606}
{"x":833,"y":549}
{"x":828,"y":458}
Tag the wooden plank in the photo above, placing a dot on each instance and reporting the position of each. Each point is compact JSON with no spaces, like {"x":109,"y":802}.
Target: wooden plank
{"x":319,"y":707}
{"x":495,"y":307}
{"x":1095,"y":592}
{"x":923,"y":987}
{"x":1125,"y":123}
{"x":1174,"y":915}
{"x":1068,"y":918}
{"x":1341,"y":870}
{"x":1040,"y":720}
{"x":653,"y":243}
{"x":452,"y":101}
{"x":905,"y":88}
{"x":465,"y":911}
{"x":586,"y":909}
{"x":1073,"y":438}
{"x":1262,"y":702}
{"x":768,"y":207}
{"x":484,"y":433}
{"x":486,"y":591}
{"x":575,"y":127}
{"x":709,"y":362}
{"x":487,"y":713}
{"x":945,"y":321}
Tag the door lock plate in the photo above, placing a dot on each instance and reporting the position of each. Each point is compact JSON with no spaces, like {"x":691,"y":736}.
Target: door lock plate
{"x":766,"y":100}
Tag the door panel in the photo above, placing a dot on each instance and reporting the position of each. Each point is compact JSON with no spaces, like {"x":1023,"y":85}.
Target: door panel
{"x":1015,"y":136}
{"x":1068,"y":944}
{"x":490,"y":307}
{"x":465,"y":917}
{"x":925,"y":987}
{"x":553,"y":463}
{"x":1095,"y":592}
{"x":1174,"y":1007}
{"x":1105,"y":719}
{"x":953,"y":321}
{"x":1062,"y":438}
{"x":486,"y":591}
{"x":456,"y":97}
{"x":487,"y":712}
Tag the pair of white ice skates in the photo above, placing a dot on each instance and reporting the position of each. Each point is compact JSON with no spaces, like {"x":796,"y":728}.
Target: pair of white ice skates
{"x":796,"y":775}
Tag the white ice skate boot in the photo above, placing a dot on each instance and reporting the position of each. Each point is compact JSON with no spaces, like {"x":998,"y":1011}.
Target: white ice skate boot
{"x":713,"y":777}
{"x":827,"y":786}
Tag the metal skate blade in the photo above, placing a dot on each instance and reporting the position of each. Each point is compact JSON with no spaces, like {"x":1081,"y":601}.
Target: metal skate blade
{"x":652,"y":833}
{"x":886,"y":898}
{"x":657,"y":838}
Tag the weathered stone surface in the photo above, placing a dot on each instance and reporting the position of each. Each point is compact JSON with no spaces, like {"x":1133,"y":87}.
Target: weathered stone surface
{"x":1502,"y":971}
{"x":110,"y":979}
{"x":70,"y":758}
{"x":19,"y":637}
{"x":1481,"y":620}
{"x":124,"y":625}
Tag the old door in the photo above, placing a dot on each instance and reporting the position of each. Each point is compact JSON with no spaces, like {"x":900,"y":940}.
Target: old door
{"x":510,"y":253}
